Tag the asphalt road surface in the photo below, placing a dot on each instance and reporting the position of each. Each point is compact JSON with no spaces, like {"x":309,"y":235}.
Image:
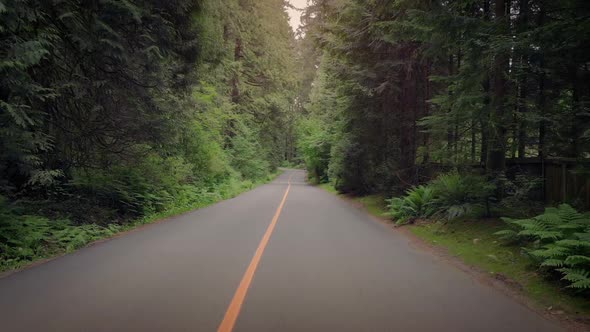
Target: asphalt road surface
{"x":263,"y":261}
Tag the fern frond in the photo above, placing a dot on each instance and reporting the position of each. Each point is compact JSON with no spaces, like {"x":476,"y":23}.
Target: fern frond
{"x":579,"y":278}
{"x":507,"y":234}
{"x":553,"y":262}
{"x":550,"y":251}
{"x":549,"y":218}
{"x":568,"y":214}
{"x":573,"y":243}
{"x":577,"y":260}
{"x":541,"y":234}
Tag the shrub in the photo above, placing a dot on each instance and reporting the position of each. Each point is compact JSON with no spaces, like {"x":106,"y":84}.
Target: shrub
{"x":149,"y":186}
{"x":24,"y":238}
{"x":458,"y":195}
{"x":418,"y":203}
{"x":559,"y":241}
{"x":451,"y":195}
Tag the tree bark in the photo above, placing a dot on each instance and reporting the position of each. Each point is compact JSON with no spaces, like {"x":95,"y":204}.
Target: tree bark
{"x":541,"y":103}
{"x":496,"y":161}
{"x":450,"y":136}
{"x":485,"y":113}
{"x":574,"y":131}
{"x":522,"y":84}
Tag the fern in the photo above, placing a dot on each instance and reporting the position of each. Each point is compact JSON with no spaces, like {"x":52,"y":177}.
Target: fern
{"x":508,"y":235}
{"x":459,"y":195}
{"x":551,"y":262}
{"x":418,"y":203}
{"x":577,"y":260}
{"x":24,"y":238}
{"x":578,"y":278}
{"x":561,"y":237}
{"x":452,"y":195}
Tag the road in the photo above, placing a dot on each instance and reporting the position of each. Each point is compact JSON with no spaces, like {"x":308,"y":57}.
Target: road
{"x":326,"y":266}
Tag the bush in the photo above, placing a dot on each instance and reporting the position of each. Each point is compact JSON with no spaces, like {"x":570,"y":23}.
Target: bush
{"x":418,"y":203}
{"x":246,"y":158}
{"x":458,"y":195}
{"x":451,"y":195}
{"x":314,"y":144}
{"x":349,"y":168}
{"x":558,"y":240}
{"x":146,"y":187}
{"x":24,"y":238}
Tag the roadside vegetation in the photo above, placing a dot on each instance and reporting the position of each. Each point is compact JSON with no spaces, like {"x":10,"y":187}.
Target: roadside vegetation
{"x":26,"y":238}
{"x":118,"y":113}
{"x":478,"y":243}
{"x":465,"y":121}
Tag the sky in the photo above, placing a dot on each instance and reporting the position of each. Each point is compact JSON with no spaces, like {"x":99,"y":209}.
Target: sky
{"x":294,"y":15}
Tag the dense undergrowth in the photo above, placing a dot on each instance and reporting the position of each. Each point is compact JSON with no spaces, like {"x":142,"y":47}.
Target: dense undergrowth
{"x":556,"y":241}
{"x":25,"y":238}
{"x":450,"y":196}
{"x":116,"y":113}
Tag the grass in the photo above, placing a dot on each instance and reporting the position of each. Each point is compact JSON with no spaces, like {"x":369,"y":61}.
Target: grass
{"x":375,"y":204}
{"x":474,"y":242}
{"x":45,"y":239}
{"x":329,"y":188}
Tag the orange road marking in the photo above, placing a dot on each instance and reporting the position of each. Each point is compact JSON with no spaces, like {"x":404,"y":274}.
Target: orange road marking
{"x":231,"y":315}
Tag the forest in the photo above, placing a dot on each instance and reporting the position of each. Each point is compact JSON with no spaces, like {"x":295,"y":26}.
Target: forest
{"x":457,"y":111}
{"x":118,"y":113}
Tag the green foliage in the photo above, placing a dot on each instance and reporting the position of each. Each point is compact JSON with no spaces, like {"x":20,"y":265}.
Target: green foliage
{"x":406,"y":86}
{"x":452,"y":195}
{"x":417,"y":203}
{"x":24,"y":238}
{"x":116,"y":111}
{"x":150,"y":186}
{"x":461,"y":194}
{"x":314,"y":145}
{"x":559,"y":240}
{"x":246,"y":155}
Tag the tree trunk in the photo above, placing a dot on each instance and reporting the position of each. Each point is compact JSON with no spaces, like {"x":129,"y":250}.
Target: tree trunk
{"x":522,"y":110}
{"x":485,"y":113}
{"x":450,"y":136}
{"x":574,"y":130}
{"x":542,"y":122}
{"x":522,"y":84}
{"x":542,"y":94}
{"x":425,"y":98}
{"x":496,"y":161}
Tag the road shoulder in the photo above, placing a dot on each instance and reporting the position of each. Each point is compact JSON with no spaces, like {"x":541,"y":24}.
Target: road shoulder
{"x":374,"y":206}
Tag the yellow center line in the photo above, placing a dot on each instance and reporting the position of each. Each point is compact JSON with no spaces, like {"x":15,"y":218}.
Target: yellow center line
{"x":231,"y":315}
